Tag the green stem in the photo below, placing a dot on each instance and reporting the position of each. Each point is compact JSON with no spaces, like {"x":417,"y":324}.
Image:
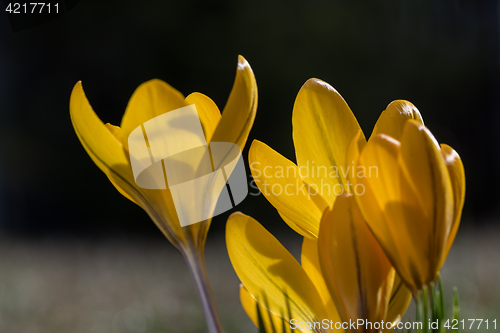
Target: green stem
{"x":441,"y":304}
{"x":425,"y":294}
{"x":441,"y":296}
{"x":456,"y":309}
{"x":436,"y":311}
{"x":419,"y":310}
{"x":196,"y":263}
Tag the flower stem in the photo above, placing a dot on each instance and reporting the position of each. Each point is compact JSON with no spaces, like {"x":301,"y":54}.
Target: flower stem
{"x":196,"y":263}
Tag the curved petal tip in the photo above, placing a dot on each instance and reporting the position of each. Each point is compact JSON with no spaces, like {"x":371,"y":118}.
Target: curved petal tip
{"x":314,"y":83}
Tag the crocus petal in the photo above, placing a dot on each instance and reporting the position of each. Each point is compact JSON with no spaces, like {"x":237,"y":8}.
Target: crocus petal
{"x":207,"y":111}
{"x":102,"y":144}
{"x":400,"y":299}
{"x":309,"y":259}
{"x":357,"y":272}
{"x":427,"y":174}
{"x":107,"y":152}
{"x":239,"y":112}
{"x":457,"y":177}
{"x":296,"y":228}
{"x":392,"y":120}
{"x":270,"y":273}
{"x":271,"y":322}
{"x":99,"y":141}
{"x":280,"y":182}
{"x":378,"y":193}
{"x":323,"y":126}
{"x":117,"y":132}
{"x":151,"y":99}
{"x":357,"y":144}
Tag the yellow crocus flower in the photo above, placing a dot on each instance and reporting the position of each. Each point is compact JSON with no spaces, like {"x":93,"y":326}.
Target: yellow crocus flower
{"x":343,"y":277}
{"x":414,"y":203}
{"x":107,"y":145}
{"x":323,"y":127}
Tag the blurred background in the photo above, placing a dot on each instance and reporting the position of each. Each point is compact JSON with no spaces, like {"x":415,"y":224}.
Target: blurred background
{"x":75,"y":256}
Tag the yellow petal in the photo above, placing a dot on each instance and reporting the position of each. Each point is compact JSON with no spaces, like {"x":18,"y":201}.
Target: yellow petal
{"x":427,"y":174}
{"x":400,"y":299}
{"x":376,"y":184}
{"x":107,"y":152}
{"x":392,"y":120}
{"x":357,"y":144}
{"x":457,"y":177}
{"x":392,"y":210}
{"x":297,"y":228}
{"x":117,"y":131}
{"x":122,"y":191}
{"x":280,"y":182}
{"x":239,"y":112}
{"x":323,"y":126}
{"x":150,"y":99}
{"x":309,"y":258}
{"x":100,"y":143}
{"x":357,"y":272}
{"x":207,"y":111}
{"x":271,"y":322}
{"x":270,"y":273}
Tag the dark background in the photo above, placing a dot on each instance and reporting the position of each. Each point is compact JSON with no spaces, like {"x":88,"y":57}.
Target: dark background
{"x":443,"y":56}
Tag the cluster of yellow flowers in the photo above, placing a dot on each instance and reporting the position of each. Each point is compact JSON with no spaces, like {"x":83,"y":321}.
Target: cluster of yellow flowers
{"x":365,"y":253}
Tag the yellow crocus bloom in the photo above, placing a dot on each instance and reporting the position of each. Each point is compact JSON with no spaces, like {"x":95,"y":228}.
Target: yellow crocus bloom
{"x":107,"y":145}
{"x":414,"y":203}
{"x":323,"y":127}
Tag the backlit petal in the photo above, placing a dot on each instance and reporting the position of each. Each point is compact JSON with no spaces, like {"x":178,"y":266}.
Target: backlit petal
{"x":309,"y":258}
{"x":239,"y":112}
{"x":297,"y":228}
{"x":422,"y":162}
{"x":102,"y":145}
{"x":207,"y":111}
{"x":270,"y":273}
{"x":280,"y":182}
{"x":392,"y":120}
{"x":98,"y":140}
{"x":117,"y":131}
{"x":271,"y":322}
{"x":357,"y":272}
{"x":400,"y":299}
{"x":323,"y":126}
{"x":457,"y":177}
{"x":378,"y":194}
{"x":357,"y":144}
{"x":150,"y":99}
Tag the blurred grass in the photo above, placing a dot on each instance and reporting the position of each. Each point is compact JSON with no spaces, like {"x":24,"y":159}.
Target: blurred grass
{"x":143,"y":286}
{"x":118,"y":286}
